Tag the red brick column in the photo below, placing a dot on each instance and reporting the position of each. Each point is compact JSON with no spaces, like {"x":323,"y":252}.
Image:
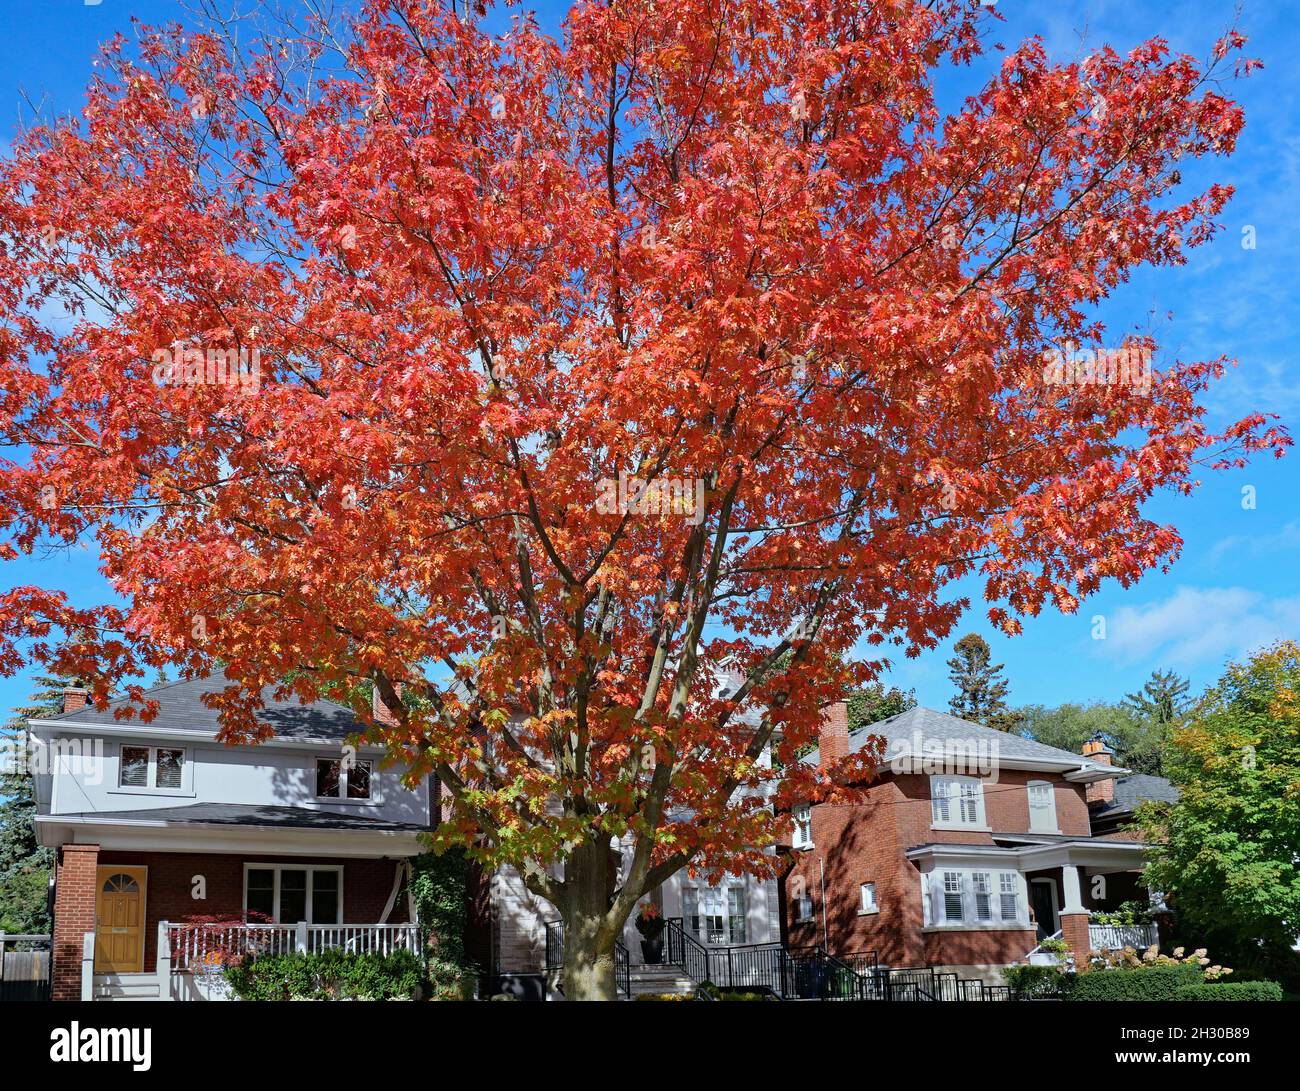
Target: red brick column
{"x":1074,"y":930}
{"x":74,"y":916}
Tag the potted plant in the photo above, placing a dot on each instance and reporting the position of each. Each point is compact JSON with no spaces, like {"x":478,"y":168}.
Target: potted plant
{"x":650,"y":923}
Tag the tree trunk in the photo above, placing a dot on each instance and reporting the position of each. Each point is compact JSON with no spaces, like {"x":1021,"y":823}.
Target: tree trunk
{"x":589,"y":934}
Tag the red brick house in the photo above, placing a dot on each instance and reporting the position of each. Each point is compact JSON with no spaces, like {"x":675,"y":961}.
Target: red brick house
{"x":969,"y":847}
{"x":298,"y":843}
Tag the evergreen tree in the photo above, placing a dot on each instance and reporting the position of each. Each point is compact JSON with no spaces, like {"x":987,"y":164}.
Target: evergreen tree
{"x":981,"y":689}
{"x":1162,"y":700}
{"x":24,"y":864}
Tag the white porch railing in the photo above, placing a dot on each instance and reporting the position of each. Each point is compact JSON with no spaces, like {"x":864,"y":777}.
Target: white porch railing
{"x":198,"y":947}
{"x":1115,"y":937}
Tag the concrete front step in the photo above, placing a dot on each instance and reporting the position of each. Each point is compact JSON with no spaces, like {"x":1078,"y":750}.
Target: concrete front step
{"x":661,"y":980}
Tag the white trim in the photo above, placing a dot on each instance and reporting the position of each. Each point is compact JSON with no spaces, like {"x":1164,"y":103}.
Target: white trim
{"x":150,"y":786}
{"x":371,"y":799}
{"x":136,"y":729}
{"x":293,"y":865}
{"x":138,"y":835}
{"x":954,"y":803}
{"x":799,"y":840}
{"x":1049,"y":812}
{"x":1054,"y":925}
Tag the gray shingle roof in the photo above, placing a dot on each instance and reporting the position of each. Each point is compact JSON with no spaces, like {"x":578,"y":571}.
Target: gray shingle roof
{"x":230,"y":814}
{"x":936,"y":728}
{"x":1135,"y":789}
{"x":181,"y":708}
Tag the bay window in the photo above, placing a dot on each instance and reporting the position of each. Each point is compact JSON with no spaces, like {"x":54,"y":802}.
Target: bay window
{"x":976,"y":897}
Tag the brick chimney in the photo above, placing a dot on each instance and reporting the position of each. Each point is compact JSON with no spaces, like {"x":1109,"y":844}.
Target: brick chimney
{"x":74,"y":697}
{"x":833,"y":737}
{"x":1095,"y":749}
{"x":380,"y":710}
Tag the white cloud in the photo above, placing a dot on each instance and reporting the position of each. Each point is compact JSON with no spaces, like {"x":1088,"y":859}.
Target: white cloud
{"x":1196,"y":626}
{"x":1285,"y":539}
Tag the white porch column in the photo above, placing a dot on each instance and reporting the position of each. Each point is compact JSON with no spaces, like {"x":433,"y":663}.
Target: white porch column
{"x":163,"y":963}
{"x":1071,"y":889}
{"x":300,"y":937}
{"x":88,"y":966}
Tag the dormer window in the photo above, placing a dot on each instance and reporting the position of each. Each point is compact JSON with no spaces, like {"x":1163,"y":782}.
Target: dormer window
{"x":1042,"y":807}
{"x":957,"y":801}
{"x":337,"y":778}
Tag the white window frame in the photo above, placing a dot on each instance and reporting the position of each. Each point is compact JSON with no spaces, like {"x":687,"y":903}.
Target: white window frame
{"x":975,"y":897}
{"x":954,"y":806}
{"x":310,"y":869}
{"x":1042,"y":817}
{"x":343,"y":797}
{"x":801,"y":817}
{"x":804,"y":910}
{"x":867,"y":903}
{"x":151,"y":786}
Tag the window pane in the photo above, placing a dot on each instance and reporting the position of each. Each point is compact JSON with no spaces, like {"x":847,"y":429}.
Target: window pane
{"x":170,"y":766}
{"x":736,"y":914}
{"x":261,"y":895}
{"x":134,"y":771}
{"x":324,"y":897}
{"x":983,"y":896}
{"x":293,"y":896}
{"x":868,"y":896}
{"x":952,"y":895}
{"x":691,"y":909}
{"x":359,"y":781}
{"x":327,"y":776}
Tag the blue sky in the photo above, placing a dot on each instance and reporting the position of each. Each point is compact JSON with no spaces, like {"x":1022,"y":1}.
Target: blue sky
{"x":1236,"y":585}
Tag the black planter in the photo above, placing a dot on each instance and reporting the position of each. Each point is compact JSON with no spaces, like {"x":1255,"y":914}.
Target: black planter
{"x":652,"y":950}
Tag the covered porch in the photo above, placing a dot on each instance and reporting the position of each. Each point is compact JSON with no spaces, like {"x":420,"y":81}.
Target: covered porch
{"x":154,"y":906}
{"x":1071,"y":883}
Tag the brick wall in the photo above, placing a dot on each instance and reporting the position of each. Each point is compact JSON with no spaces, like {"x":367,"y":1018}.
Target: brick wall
{"x":74,"y":916}
{"x":366,"y":886}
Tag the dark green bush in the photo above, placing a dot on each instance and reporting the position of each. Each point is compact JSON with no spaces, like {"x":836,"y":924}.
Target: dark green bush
{"x":1036,"y":982}
{"x":1230,"y":990}
{"x":329,"y":975}
{"x":1148,"y":983}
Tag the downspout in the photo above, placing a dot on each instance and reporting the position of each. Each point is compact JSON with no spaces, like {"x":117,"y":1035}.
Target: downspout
{"x":826,"y":938}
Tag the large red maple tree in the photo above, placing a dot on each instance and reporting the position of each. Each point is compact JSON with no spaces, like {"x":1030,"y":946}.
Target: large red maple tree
{"x":698,"y":342}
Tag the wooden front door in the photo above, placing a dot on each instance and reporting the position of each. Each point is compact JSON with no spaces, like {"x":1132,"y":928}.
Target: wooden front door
{"x":119,"y":919}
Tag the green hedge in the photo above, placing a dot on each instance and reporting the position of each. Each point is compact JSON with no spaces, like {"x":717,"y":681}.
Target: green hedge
{"x":1230,"y":990}
{"x":1148,"y":983}
{"x":330,"y":975}
{"x":1036,"y":982}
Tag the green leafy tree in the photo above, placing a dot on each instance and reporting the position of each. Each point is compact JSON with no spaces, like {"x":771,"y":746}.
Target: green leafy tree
{"x":1228,"y":852}
{"x":1136,"y":740}
{"x":874,"y":703}
{"x":981,"y":689}
{"x":1163,"y":699}
{"x":24,"y":864}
